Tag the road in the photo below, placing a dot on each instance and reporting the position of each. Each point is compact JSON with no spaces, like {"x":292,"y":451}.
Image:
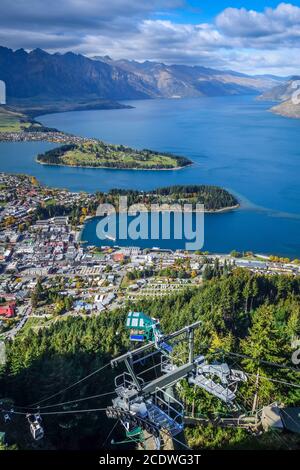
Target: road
{"x":13,"y":332}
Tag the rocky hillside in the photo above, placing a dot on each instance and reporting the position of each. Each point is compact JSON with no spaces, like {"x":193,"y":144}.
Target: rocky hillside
{"x":288,"y":94}
{"x":181,"y":81}
{"x":287,"y":109}
{"x":281,"y":92}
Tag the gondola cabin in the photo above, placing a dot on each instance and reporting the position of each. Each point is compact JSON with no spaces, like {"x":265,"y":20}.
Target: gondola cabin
{"x":142,"y":328}
{"x":36,"y":428}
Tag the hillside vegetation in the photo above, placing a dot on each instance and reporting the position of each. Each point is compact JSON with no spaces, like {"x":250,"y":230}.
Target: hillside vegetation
{"x":258,"y":316}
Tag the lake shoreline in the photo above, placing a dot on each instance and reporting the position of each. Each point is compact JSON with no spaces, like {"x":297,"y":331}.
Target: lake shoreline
{"x":36,"y":110}
{"x":113,"y":168}
{"x":164,"y":210}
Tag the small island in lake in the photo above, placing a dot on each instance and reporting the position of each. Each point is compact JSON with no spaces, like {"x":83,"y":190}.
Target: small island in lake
{"x":214,"y":198}
{"x":97,"y":154}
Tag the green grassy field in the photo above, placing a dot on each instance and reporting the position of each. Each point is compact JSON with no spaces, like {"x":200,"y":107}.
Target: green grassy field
{"x":88,"y":154}
{"x":12,"y":121}
{"x":9,"y":122}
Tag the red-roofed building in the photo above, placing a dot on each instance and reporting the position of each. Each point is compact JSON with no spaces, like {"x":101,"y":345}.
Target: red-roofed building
{"x":8,"y":310}
{"x":118,"y":257}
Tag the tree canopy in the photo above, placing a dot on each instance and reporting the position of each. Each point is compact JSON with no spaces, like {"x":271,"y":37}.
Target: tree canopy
{"x":257,"y":316}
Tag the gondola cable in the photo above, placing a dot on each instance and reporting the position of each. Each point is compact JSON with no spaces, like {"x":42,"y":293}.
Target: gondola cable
{"x":262,"y":361}
{"x":67,"y":402}
{"x":61,"y":412}
{"x":69,"y":387}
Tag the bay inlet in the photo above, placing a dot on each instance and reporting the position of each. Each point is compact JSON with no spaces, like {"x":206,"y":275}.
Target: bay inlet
{"x":234,"y":143}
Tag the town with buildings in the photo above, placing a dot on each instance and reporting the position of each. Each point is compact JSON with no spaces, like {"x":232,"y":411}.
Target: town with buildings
{"x":47,"y":272}
{"x":51,"y":135}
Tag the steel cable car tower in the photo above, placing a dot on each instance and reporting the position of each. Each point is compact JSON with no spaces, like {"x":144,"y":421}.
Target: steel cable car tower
{"x":149,"y":404}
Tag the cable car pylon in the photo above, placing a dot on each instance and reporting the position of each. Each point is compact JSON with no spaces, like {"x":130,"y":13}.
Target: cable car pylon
{"x":149,"y":402}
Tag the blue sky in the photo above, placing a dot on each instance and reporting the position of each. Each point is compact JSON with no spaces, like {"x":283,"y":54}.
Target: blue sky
{"x":250,"y":36}
{"x":195,"y":11}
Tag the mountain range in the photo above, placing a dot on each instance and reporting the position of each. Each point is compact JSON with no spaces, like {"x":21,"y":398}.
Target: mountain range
{"x":182,"y":81}
{"x":41,"y":77}
{"x":288,"y":94}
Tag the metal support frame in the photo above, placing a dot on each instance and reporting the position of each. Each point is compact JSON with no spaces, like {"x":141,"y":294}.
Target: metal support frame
{"x":191,"y":345}
{"x":196,"y":370}
{"x":134,"y":377}
{"x":168,"y":379}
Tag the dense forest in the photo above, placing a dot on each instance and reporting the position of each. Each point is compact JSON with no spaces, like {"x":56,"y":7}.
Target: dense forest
{"x":256,"y":315}
{"x":212,"y":197}
{"x":99,"y":154}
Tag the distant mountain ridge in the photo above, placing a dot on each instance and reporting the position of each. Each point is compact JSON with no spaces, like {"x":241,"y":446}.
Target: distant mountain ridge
{"x":40,"y":77}
{"x":283,"y":93}
{"x":182,"y":81}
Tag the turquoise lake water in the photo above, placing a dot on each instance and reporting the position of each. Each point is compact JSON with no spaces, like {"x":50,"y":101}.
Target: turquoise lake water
{"x":235,"y":142}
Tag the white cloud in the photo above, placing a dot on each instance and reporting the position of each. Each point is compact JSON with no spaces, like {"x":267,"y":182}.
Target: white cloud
{"x":282,"y":22}
{"x":247,"y":40}
{"x":82,"y":13}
